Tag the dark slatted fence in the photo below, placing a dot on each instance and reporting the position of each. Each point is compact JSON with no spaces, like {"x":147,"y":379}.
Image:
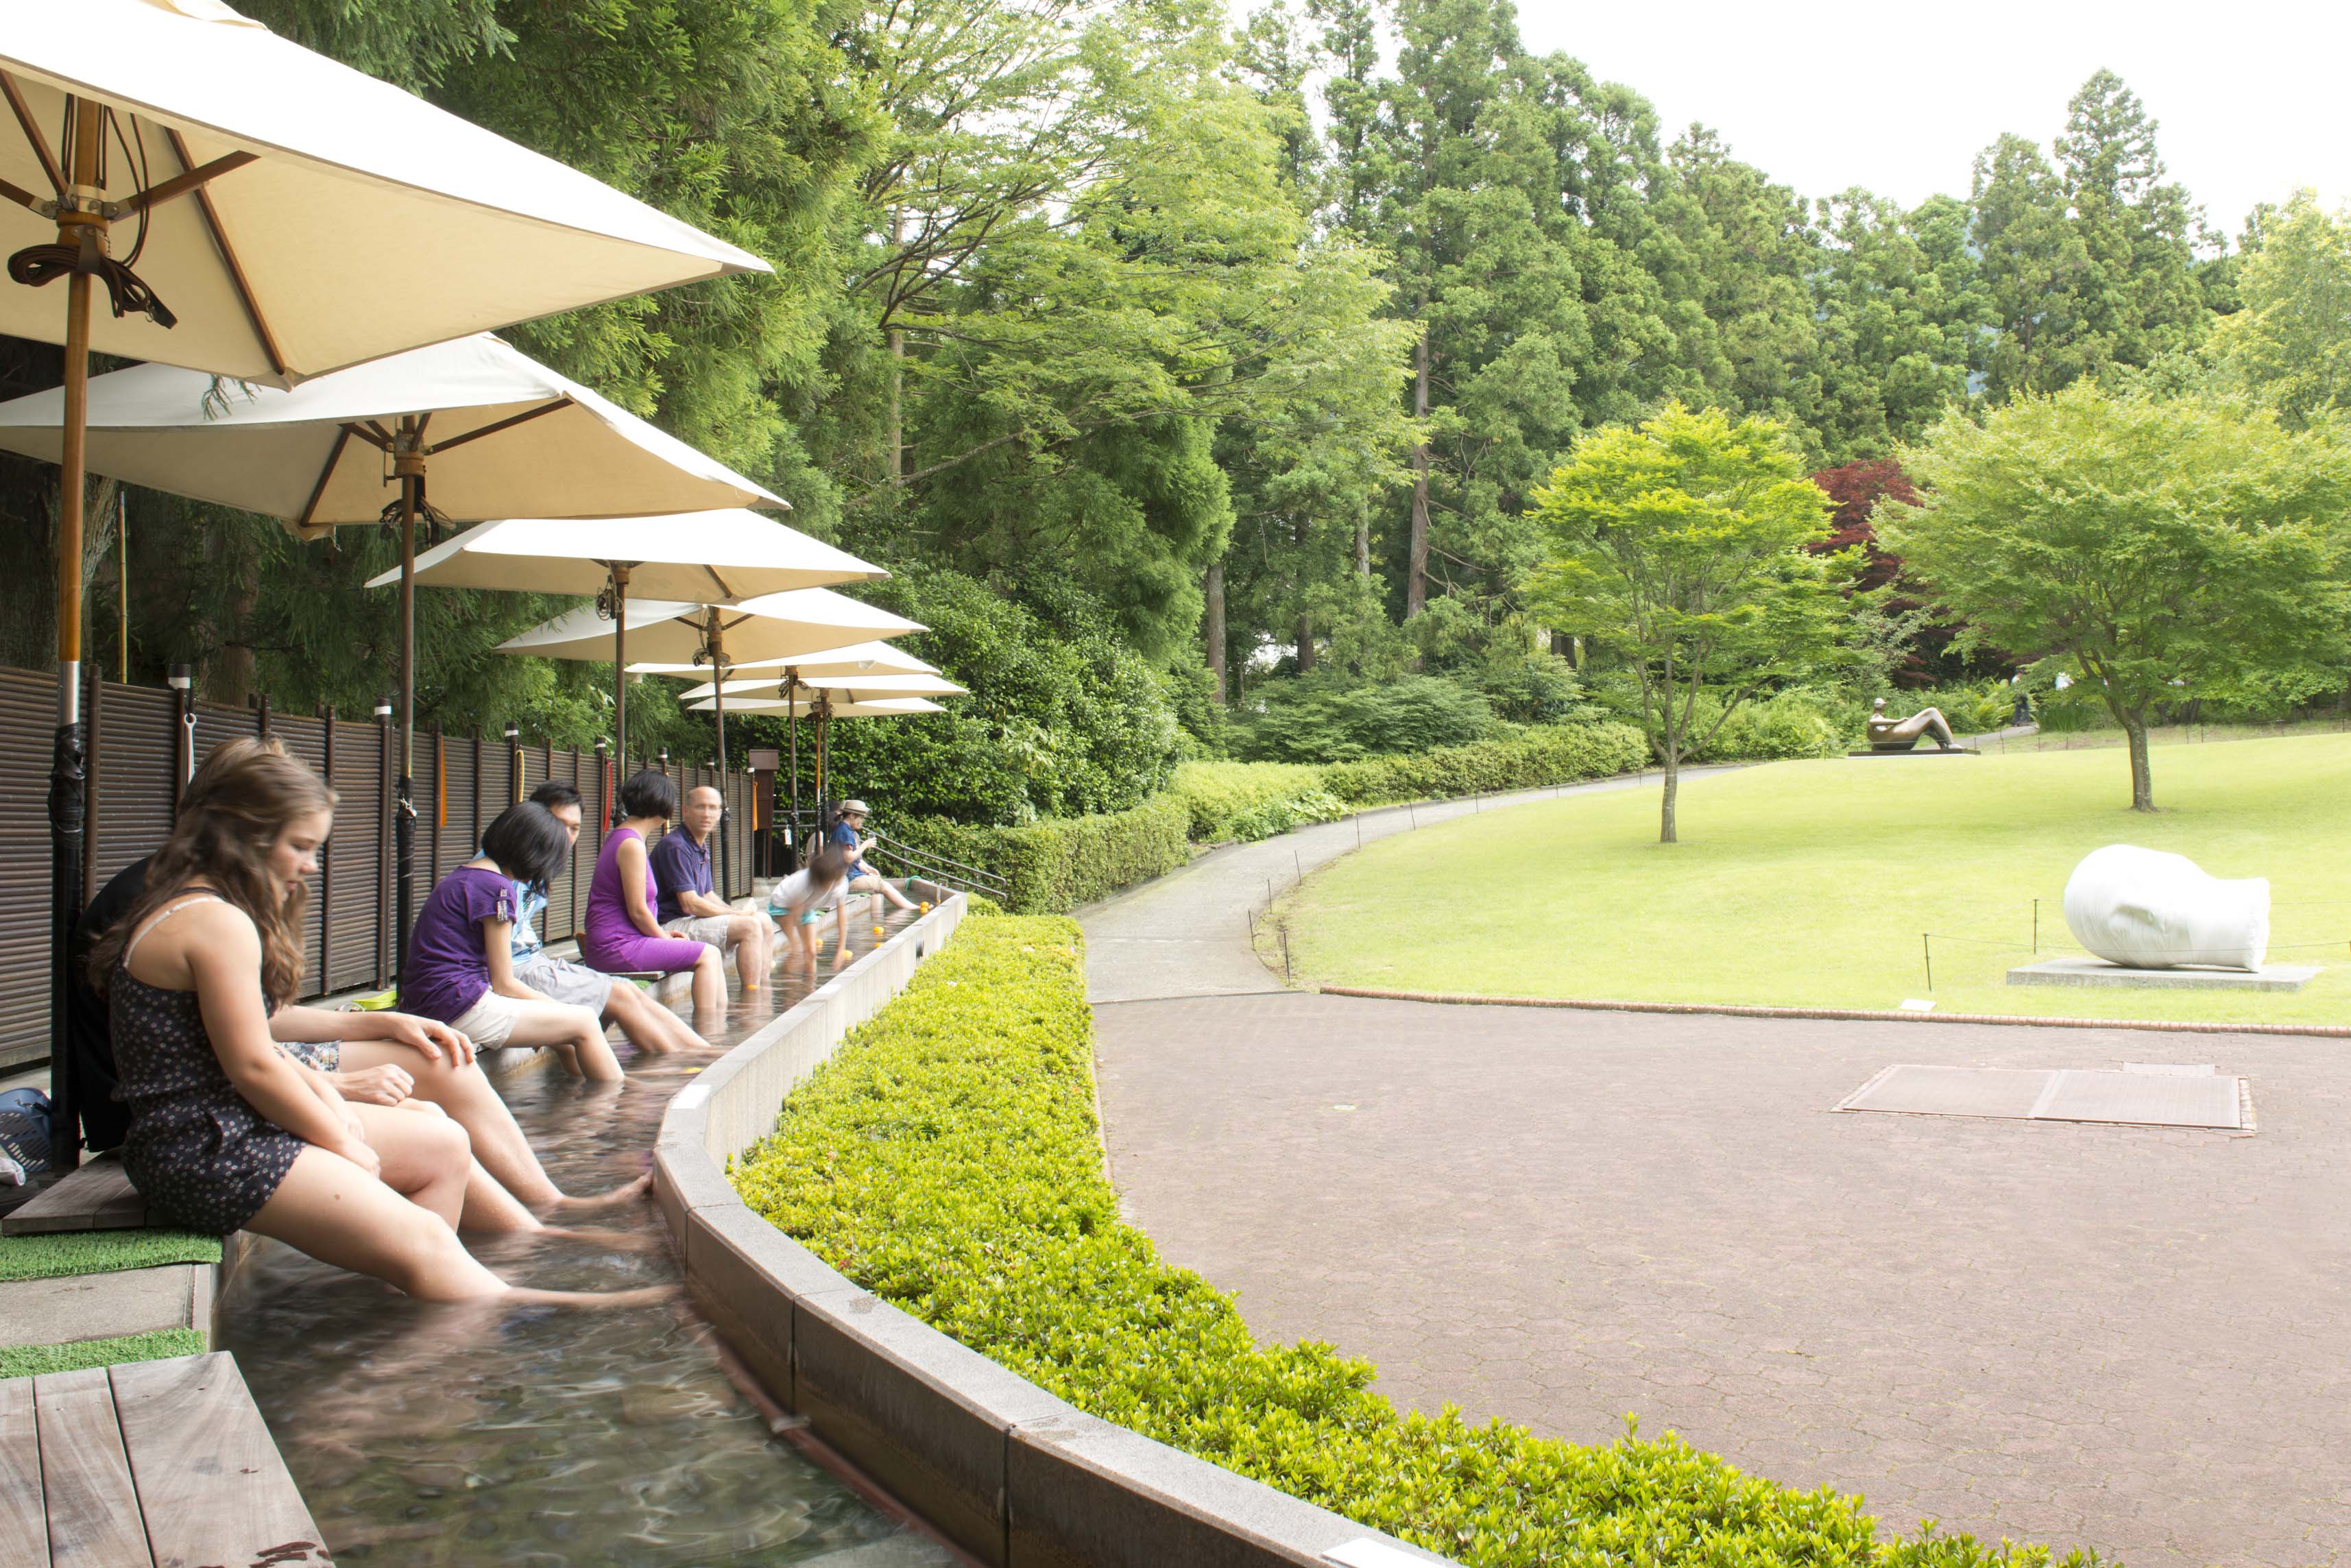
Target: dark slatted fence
{"x":462,"y":782}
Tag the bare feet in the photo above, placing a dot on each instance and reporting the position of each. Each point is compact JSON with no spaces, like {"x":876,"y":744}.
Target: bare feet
{"x":598,"y":1300}
{"x":627,"y":1192}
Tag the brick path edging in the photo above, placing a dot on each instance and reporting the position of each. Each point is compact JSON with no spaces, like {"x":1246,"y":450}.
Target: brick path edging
{"x":1862,"y":1015}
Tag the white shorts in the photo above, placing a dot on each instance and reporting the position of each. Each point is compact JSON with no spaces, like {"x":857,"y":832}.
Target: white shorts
{"x":488,"y":1023}
{"x":710,"y":929}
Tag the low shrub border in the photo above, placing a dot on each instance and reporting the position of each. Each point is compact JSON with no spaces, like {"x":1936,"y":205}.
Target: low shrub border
{"x":1058,"y":864}
{"x":948,"y":1161}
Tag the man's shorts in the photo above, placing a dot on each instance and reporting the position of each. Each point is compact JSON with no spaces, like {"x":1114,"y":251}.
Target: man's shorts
{"x":706,"y":928}
{"x":562,"y":981}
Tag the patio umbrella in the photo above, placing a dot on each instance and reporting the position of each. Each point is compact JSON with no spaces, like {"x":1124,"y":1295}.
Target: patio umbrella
{"x":302,"y":216}
{"x":793,"y":623}
{"x":513,"y":437}
{"x":878,"y":685}
{"x":824,"y":707}
{"x":861,"y":658}
{"x":728,"y":555}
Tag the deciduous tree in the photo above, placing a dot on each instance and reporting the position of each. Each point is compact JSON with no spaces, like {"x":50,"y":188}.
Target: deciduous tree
{"x":1679,"y":545}
{"x":2159,"y":547}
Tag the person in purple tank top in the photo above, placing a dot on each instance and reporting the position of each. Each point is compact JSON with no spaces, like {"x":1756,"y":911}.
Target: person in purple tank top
{"x":460,"y":966}
{"x":618,"y":931}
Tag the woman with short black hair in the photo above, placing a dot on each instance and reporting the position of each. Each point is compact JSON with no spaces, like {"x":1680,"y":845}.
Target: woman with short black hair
{"x":620,"y":933}
{"x":460,"y":966}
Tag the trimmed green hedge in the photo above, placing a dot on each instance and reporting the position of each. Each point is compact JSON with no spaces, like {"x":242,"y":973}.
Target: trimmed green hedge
{"x":1251,"y":800}
{"x":1556,"y":754}
{"x":1056,"y":863}
{"x":948,"y":1161}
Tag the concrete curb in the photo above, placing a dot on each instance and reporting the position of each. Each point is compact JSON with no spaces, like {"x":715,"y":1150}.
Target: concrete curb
{"x":1006,"y":1470}
{"x":1844,"y":1015}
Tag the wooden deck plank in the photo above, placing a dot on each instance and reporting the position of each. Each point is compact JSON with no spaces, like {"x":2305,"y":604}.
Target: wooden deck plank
{"x":98,"y":1197}
{"x":24,"y":1523}
{"x":211,"y":1483}
{"x":93,"y":1507}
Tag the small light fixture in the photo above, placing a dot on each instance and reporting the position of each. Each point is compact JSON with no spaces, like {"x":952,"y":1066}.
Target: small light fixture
{"x":182,"y":677}
{"x":514,"y":732}
{"x":384,"y":707}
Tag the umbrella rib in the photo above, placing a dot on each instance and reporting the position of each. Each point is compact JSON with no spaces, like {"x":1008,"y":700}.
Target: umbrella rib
{"x":506,"y":423}
{"x":372,"y":432}
{"x":179,"y":184}
{"x":317,"y":491}
{"x":33,"y":133}
{"x":237,"y":276}
{"x":725,"y":590}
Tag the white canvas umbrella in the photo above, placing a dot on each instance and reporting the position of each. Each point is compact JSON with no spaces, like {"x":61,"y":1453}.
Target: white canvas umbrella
{"x":494,"y":430}
{"x":255,"y":210}
{"x":720,"y":557}
{"x":860,"y":659}
{"x":771,"y":627}
{"x":793,"y":623}
{"x":824,"y":709}
{"x":880,"y":685}
{"x":726,"y":555}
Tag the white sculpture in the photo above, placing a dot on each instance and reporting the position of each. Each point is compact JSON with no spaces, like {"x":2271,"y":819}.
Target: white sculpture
{"x":2147,"y":909}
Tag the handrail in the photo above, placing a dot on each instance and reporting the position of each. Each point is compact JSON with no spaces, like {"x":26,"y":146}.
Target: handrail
{"x":922,"y":862}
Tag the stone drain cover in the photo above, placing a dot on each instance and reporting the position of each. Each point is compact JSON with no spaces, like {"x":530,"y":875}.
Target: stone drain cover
{"x":2141,"y":1097}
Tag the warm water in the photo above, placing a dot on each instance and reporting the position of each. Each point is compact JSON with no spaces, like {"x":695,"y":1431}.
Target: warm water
{"x":540,"y":1437}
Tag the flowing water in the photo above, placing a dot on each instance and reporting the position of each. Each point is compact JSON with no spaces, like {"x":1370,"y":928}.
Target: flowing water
{"x":548,"y":1438}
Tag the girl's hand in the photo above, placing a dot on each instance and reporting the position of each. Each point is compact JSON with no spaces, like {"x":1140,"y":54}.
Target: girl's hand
{"x":355,"y":1149}
{"x":385,"y":1086}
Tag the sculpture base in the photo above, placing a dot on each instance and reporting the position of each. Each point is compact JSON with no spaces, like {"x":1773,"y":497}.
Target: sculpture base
{"x":1929,"y":750}
{"x":2098,"y":972}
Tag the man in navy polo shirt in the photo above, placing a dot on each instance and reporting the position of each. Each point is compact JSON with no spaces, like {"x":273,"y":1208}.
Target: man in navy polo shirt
{"x":687,"y":907}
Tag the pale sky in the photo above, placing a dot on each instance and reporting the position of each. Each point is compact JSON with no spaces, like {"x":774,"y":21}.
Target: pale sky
{"x":1823,"y":94}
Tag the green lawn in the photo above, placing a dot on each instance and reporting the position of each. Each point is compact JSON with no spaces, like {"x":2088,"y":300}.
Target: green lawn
{"x":1808,"y":883}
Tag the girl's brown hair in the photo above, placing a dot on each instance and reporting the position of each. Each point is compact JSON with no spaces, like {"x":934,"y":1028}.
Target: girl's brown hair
{"x":238,"y":806}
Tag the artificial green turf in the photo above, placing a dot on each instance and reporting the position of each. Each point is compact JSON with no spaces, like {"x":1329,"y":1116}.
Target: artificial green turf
{"x":101,"y":1252}
{"x":1808,"y":884}
{"x":33,"y":1360}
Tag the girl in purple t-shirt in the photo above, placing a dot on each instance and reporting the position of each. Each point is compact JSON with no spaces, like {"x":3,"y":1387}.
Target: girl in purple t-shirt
{"x":460,"y":965}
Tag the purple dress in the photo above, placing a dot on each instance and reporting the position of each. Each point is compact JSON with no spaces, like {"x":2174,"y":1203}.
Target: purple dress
{"x":606,"y":940}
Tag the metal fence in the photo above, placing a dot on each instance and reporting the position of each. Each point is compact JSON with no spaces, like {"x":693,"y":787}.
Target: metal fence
{"x":139,"y":740}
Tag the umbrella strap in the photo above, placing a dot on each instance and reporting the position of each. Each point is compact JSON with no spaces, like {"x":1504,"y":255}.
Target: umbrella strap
{"x":36,"y":265}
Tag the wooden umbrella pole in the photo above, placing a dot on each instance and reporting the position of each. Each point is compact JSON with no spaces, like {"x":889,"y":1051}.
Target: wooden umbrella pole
{"x":408,"y":464}
{"x":620,"y":592}
{"x":76,"y":228}
{"x":792,"y":736}
{"x":716,"y":633}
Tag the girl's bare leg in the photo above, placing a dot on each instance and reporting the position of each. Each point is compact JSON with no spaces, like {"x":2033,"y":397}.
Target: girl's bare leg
{"x":426,"y":1159}
{"x":336,"y":1212}
{"x":465,"y":1094}
{"x":575,"y":1032}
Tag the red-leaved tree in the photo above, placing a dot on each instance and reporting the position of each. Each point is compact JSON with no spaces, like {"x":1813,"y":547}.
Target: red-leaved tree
{"x":1857,"y":488}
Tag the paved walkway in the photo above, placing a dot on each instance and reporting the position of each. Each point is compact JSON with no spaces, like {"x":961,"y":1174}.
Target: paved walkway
{"x":2130,"y":1338}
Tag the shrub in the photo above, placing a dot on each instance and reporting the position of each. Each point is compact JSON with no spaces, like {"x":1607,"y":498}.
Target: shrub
{"x":947,"y":1160}
{"x":1312,"y":720}
{"x":1251,"y":800}
{"x":1557,"y":754}
{"x":1062,"y":718}
{"x":1791,"y":724}
{"x":1056,"y":863}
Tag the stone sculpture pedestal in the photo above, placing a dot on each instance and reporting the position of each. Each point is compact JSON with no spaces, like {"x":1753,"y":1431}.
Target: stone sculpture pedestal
{"x":2098,"y":972}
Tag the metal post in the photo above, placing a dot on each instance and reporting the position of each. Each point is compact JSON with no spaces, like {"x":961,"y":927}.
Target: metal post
{"x":514,"y":763}
{"x":603,"y":787}
{"x":407,"y":463}
{"x":2037,"y":927}
{"x":183,"y":678}
{"x":327,"y":876}
{"x":383,"y":837}
{"x":85,"y":232}
{"x":1926,"y":944}
{"x":122,"y":582}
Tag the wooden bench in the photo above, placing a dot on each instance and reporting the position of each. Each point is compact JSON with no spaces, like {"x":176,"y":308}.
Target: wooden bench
{"x":98,"y":1196}
{"x":150,"y":1464}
